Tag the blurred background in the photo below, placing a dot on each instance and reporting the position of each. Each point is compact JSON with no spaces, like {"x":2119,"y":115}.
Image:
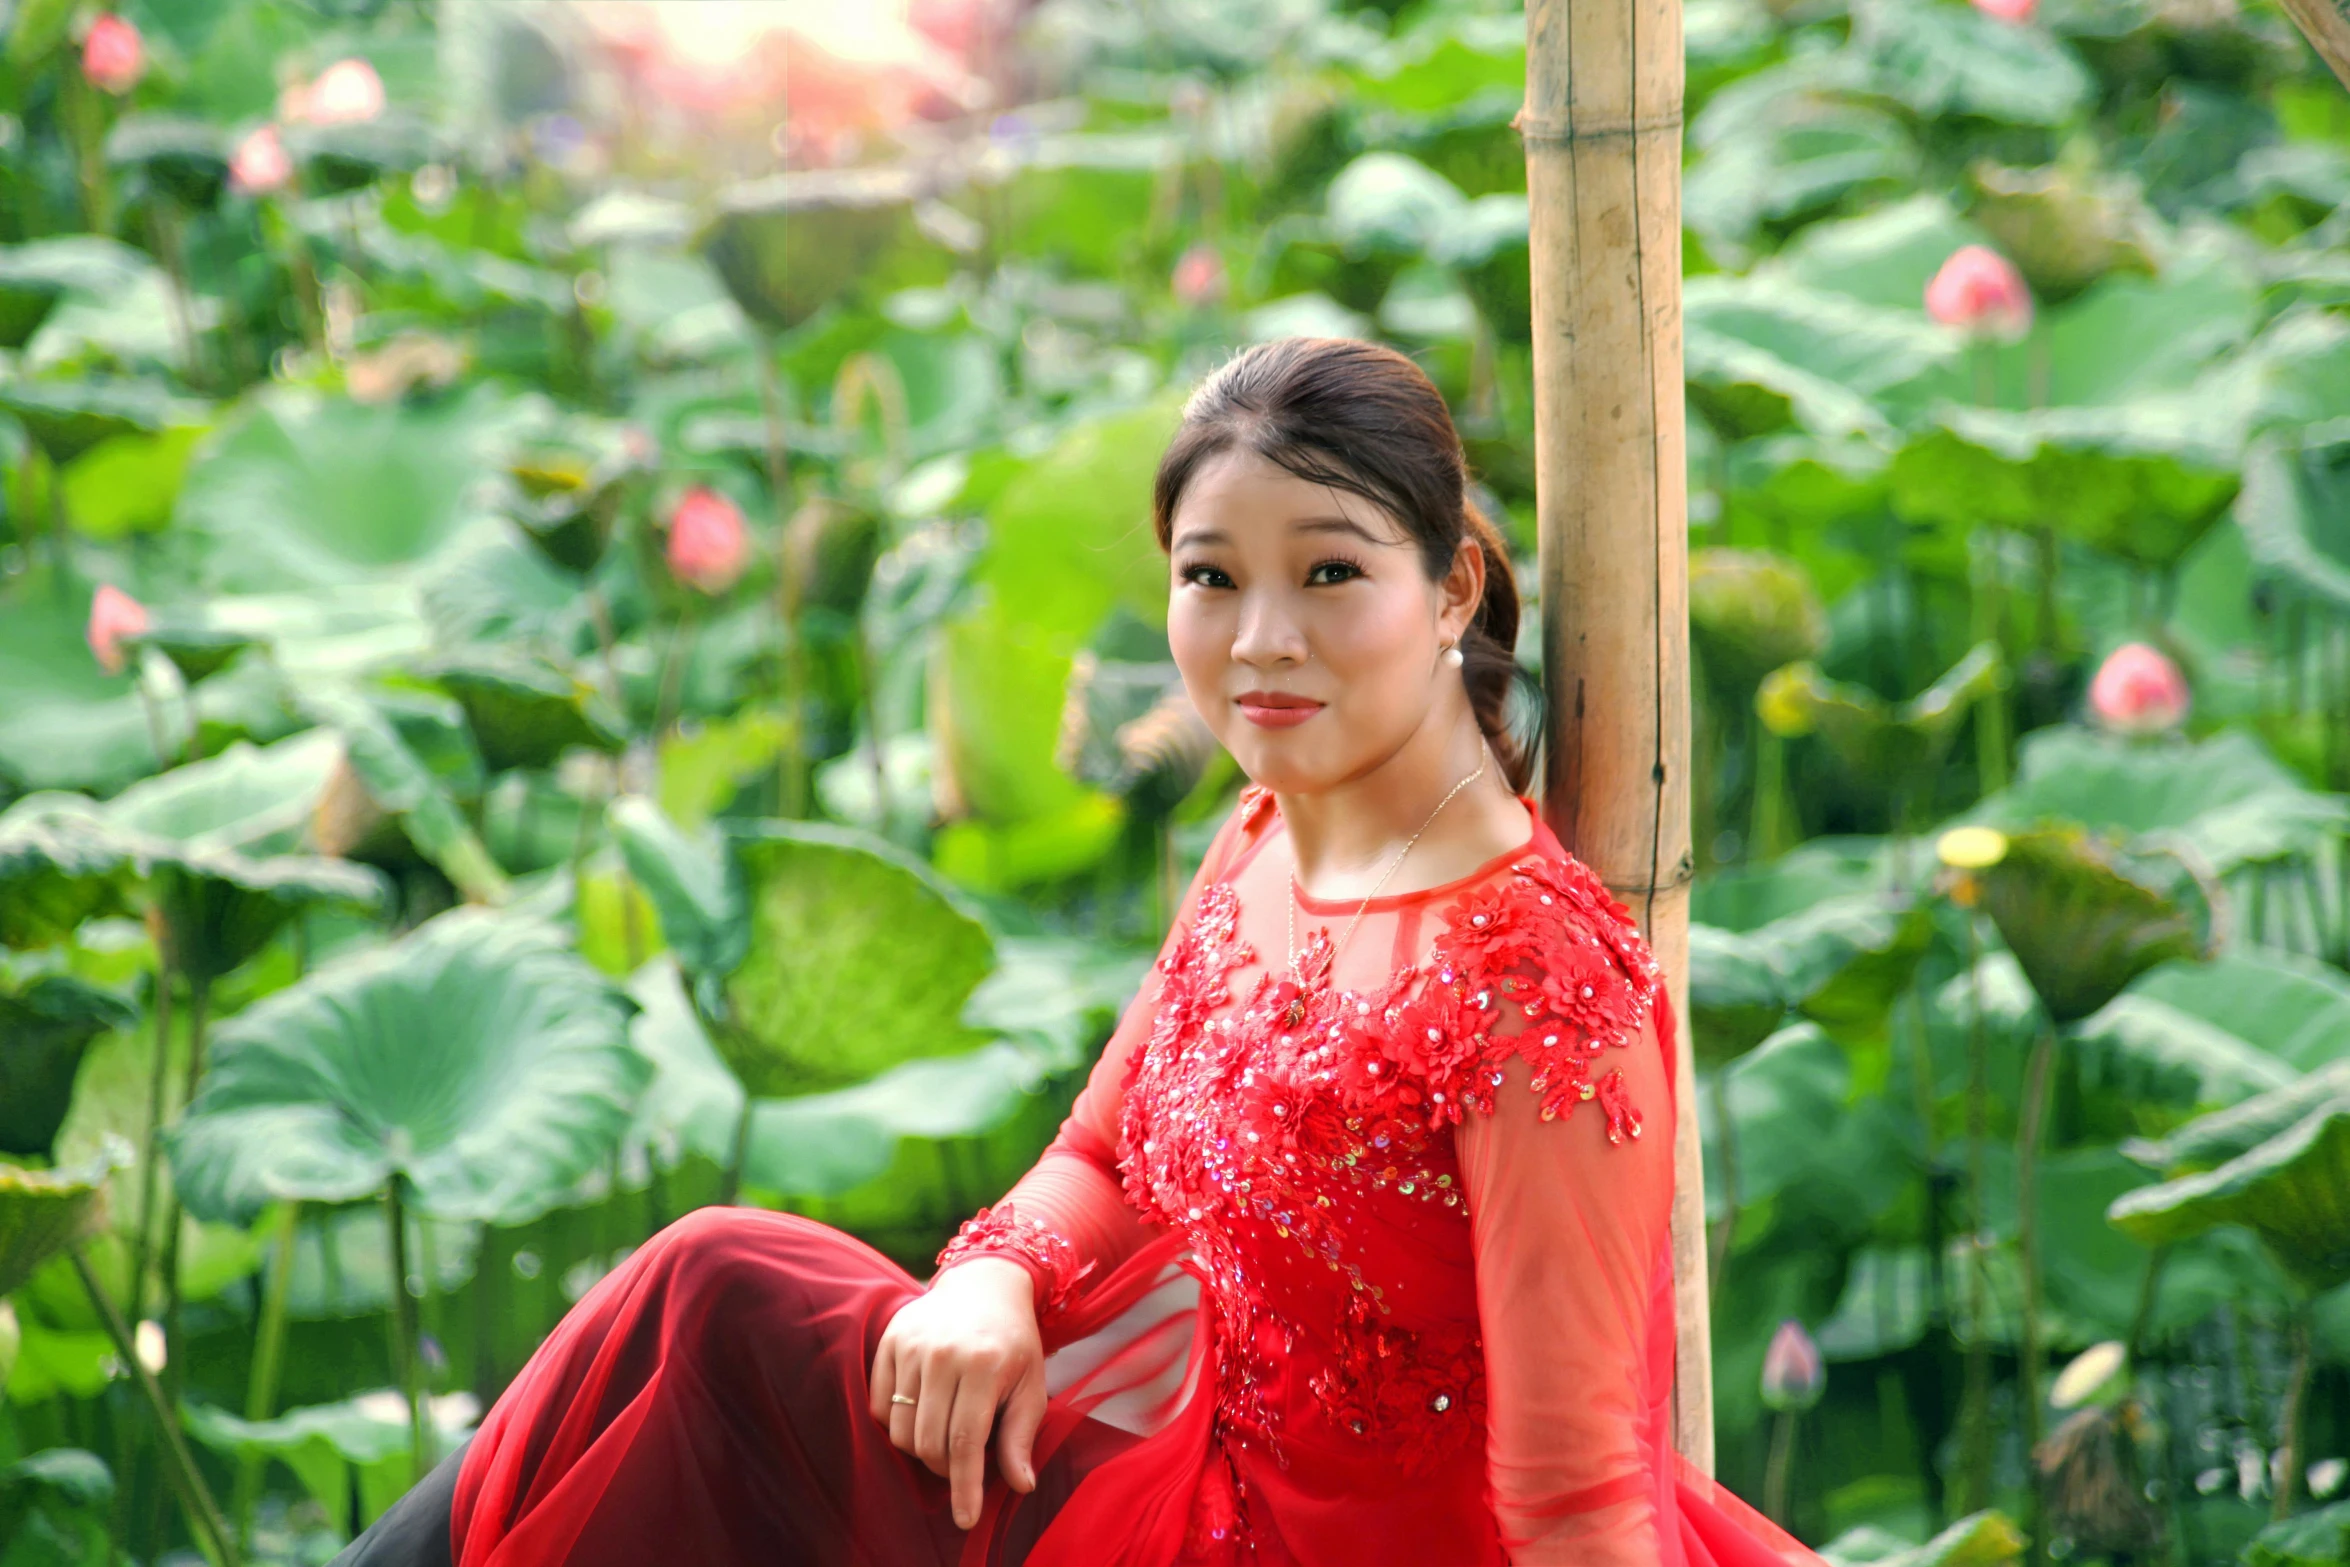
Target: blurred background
{"x":579,"y":637}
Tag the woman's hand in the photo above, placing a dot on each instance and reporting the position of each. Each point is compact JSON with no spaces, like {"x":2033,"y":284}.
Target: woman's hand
{"x":962,"y":1351}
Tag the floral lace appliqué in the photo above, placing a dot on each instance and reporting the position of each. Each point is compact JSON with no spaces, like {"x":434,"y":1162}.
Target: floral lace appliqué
{"x":1263,"y":1131}
{"x":1000,"y":1231}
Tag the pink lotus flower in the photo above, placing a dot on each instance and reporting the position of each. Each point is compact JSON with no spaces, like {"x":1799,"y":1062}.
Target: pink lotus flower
{"x":113,"y":56}
{"x":345,"y":93}
{"x":2017,"y":11}
{"x":114,"y":615}
{"x":708,"y":546}
{"x":1199,"y":276}
{"x":1979,"y":290}
{"x":260,"y":165}
{"x":2138,"y":691}
{"x":1793,"y":1376}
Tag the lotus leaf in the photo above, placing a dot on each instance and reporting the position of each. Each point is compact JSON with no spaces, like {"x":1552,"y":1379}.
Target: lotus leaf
{"x":61,"y":862}
{"x":382,"y":776}
{"x":2320,"y":1538}
{"x":2085,"y":916}
{"x":2212,"y":1140}
{"x":2142,"y":482}
{"x":1785,"y":144}
{"x":328,"y":1446}
{"x":525,"y":712}
{"x":1871,"y":736}
{"x":1939,"y":60}
{"x":859,"y":958}
{"x":695,"y":888}
{"x":44,"y":1028}
{"x":2225,"y":799}
{"x":42,"y":1212}
{"x":128,"y":483}
{"x":1765,"y":351}
{"x":2066,"y":227}
{"x":196,"y":650}
{"x":2295,"y":510}
{"x":789,"y":244}
{"x":187,"y":158}
{"x":477,"y":1058}
{"x":2295,"y":1008}
{"x":1842,"y":962}
{"x":68,"y":418}
{"x":2292,"y":1190}
{"x":251,"y":798}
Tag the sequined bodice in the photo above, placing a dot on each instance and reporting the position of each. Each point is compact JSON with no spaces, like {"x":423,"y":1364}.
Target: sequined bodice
{"x":1301,"y":1136}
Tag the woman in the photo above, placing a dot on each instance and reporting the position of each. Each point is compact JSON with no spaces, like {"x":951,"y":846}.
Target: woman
{"x":1354,"y":1249}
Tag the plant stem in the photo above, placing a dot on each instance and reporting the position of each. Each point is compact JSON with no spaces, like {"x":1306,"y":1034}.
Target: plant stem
{"x":2290,"y":1439}
{"x":151,"y":1156}
{"x":199,"y":1006}
{"x":1724,"y":1233}
{"x":203,"y":1516}
{"x":1781,"y":1461}
{"x":789,"y":800}
{"x":1975,"y":1401}
{"x":732,"y":1186}
{"x":404,"y":1355}
{"x":268,"y":1353}
{"x":2027,"y":1181}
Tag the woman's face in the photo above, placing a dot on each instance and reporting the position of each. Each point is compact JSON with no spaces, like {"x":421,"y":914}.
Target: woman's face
{"x":1302,"y":618}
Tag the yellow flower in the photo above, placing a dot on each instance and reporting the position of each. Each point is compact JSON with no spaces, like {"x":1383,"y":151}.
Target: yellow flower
{"x":1971,"y":848}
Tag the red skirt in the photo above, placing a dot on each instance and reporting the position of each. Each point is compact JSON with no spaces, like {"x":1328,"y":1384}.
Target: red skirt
{"x":706,"y":1403}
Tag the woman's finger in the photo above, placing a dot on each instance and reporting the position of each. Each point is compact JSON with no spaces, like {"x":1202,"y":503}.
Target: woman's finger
{"x":1016,"y":1429}
{"x":937,"y":1395}
{"x":967,"y":1429}
{"x":882,"y":1383}
{"x":905,"y":1404}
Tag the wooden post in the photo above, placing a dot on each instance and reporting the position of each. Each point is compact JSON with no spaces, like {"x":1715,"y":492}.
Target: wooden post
{"x":2326,"y":24}
{"x":1602,"y":127}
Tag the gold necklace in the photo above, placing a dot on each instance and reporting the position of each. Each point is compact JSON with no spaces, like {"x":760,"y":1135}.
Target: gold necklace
{"x":1297,"y":1005}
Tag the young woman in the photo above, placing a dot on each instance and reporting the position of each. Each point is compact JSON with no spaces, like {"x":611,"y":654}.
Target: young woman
{"x":1353,"y":1251}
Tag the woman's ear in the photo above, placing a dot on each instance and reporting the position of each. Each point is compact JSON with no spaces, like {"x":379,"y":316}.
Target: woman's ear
{"x":1461,"y":591}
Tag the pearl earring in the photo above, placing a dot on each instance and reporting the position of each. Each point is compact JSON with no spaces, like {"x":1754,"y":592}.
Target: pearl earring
{"x":1452,"y":654}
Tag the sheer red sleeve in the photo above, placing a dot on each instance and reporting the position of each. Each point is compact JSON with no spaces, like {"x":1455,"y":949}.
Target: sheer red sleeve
{"x":1569,"y":1179}
{"x":1067,"y":1220}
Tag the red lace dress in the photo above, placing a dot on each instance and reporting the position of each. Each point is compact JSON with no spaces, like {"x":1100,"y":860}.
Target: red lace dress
{"x":1369,"y":1273}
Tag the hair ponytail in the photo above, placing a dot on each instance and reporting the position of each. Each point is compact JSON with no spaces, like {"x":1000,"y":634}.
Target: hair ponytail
{"x":1489,"y":662}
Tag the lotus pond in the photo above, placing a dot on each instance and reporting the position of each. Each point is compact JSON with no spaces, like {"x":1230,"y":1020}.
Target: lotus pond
{"x":577,"y":640}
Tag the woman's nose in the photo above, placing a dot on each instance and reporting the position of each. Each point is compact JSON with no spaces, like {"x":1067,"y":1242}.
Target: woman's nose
{"x":1268,"y":634}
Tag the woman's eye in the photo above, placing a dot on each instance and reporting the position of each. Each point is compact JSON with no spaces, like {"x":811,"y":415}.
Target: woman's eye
{"x":1333,"y":571}
{"x":1206,"y":577}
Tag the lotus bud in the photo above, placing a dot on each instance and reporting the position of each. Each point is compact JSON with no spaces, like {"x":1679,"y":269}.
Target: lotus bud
{"x":1199,"y":276}
{"x":346,"y":93}
{"x":2015,"y":11}
{"x":2093,"y":1371}
{"x":114,"y":615}
{"x":152,"y":1350}
{"x":708,"y":545}
{"x":2138,"y":691}
{"x":11,"y":1338}
{"x":432,"y":1356}
{"x":1793,"y":1375}
{"x":1979,"y":291}
{"x":260,"y":166}
{"x":113,"y":55}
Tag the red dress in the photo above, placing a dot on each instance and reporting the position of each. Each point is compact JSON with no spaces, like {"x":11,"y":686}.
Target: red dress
{"x":1372,"y":1273}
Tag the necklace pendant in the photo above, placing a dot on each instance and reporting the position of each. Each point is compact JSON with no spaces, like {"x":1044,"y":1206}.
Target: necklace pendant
{"x":1296,"y":1013}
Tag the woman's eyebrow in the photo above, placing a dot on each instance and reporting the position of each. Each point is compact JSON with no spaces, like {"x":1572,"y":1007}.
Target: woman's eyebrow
{"x":1206,"y":536}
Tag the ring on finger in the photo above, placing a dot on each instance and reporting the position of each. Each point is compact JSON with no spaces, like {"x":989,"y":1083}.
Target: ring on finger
{"x":900,"y":1398}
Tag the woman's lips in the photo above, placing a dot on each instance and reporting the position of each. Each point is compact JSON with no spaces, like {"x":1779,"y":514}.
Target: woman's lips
{"x":1272,"y":710}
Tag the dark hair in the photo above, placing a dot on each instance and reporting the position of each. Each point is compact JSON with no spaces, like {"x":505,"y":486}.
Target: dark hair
{"x":1362,"y":418}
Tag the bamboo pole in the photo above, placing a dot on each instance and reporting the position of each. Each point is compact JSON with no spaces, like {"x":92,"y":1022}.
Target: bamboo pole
{"x":1602,"y":128}
{"x":2326,"y":24}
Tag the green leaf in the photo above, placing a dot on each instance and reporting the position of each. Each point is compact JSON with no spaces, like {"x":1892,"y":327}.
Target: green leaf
{"x":859,"y":958}
{"x":44,"y":1028}
{"x":188,"y":158}
{"x":2225,"y":799}
{"x":525,"y":712}
{"x":2295,"y":510}
{"x":1781,"y":146}
{"x":2293,"y":1191}
{"x":695,"y":888}
{"x":2210,"y":1141}
{"x":327,"y":1446}
{"x":1947,"y":60}
{"x":1764,"y":351}
{"x":128,"y":483}
{"x":2292,"y":1007}
{"x":252,"y":798}
{"x":61,"y":862}
{"x":2142,"y":482}
{"x":2313,"y":1539}
{"x":300,"y":491}
{"x":2085,"y":916}
{"x":66,"y":418}
{"x":1871,"y":736}
{"x":1385,"y":202}
{"x":1986,"y":1539}
{"x":42,"y":1212}
{"x":1749,"y":612}
{"x":789,"y":244}
{"x":392,"y":778}
{"x":477,"y":1058}
{"x":35,"y":277}
{"x":2173,"y":1046}
{"x":1842,"y":962}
